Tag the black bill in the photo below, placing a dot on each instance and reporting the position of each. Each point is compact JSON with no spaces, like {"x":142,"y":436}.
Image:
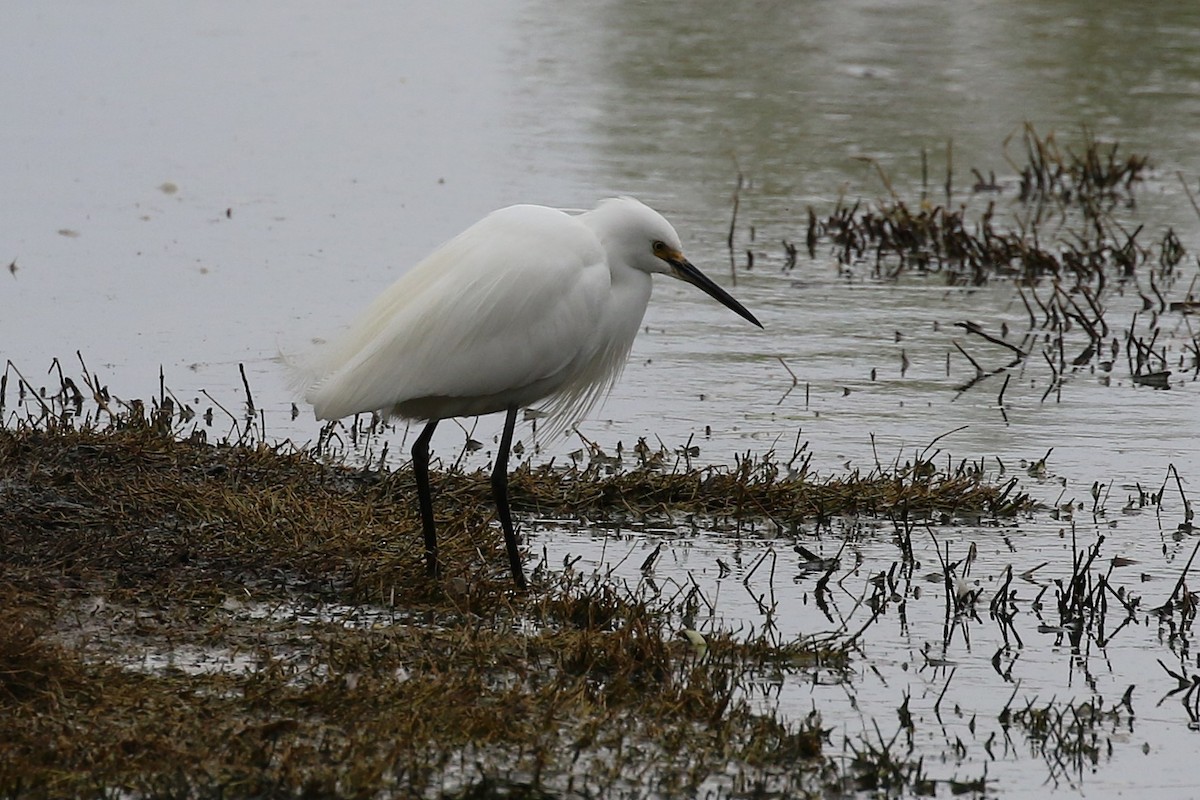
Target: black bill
{"x":686,"y":272}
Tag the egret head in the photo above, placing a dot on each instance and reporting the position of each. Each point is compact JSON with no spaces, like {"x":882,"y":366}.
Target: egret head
{"x":641,"y":238}
{"x":636,"y":235}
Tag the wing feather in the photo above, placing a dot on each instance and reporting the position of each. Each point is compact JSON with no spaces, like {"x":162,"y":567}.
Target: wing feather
{"x":514,"y":301}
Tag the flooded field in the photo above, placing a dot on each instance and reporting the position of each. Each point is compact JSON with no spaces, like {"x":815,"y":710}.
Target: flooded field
{"x":971,"y":235}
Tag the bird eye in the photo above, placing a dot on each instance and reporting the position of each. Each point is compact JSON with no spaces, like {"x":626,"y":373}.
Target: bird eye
{"x":660,"y":247}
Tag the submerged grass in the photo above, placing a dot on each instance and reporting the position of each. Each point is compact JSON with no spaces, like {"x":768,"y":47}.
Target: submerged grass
{"x":184,"y":619}
{"x":1068,"y":243}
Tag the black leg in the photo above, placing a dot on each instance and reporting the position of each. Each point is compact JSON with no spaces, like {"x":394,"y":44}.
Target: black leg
{"x":420,"y":460}
{"x":500,"y":492}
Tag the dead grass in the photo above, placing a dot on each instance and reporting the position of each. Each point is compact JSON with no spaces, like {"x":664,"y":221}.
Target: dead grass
{"x":182,"y":619}
{"x":140,"y":511}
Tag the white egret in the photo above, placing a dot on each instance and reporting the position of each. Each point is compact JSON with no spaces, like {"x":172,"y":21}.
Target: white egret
{"x":528,"y":304}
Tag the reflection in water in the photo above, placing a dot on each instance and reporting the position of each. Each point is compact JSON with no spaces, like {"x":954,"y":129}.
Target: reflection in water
{"x":670,"y":91}
{"x":669,"y":100}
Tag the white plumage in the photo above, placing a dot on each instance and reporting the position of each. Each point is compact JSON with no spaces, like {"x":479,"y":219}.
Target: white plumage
{"x":528,"y":304}
{"x":512,"y":310}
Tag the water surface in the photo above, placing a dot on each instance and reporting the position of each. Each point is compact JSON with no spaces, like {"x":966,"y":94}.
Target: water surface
{"x":193,"y":189}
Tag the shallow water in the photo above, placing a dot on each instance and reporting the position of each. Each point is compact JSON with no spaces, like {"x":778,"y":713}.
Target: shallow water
{"x":204,"y":189}
{"x":958,"y":678}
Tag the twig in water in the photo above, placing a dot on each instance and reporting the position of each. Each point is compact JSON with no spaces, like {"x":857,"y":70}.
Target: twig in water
{"x":236,"y":425}
{"x":648,"y":564}
{"x":32,"y":391}
{"x":246,"y":384}
{"x":883,"y":176}
{"x":937,"y":706}
{"x":971,"y":327}
{"x":789,"y":250}
{"x":974,"y":363}
{"x":1179,"y":583}
{"x":770,"y":551}
{"x":1040,"y":305}
{"x":1187,"y":506}
{"x":795,"y":380}
{"x":947,"y":581}
{"x":737,"y":191}
{"x":1053,"y":377}
{"x":938,"y":438}
{"x":1000,"y":397}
